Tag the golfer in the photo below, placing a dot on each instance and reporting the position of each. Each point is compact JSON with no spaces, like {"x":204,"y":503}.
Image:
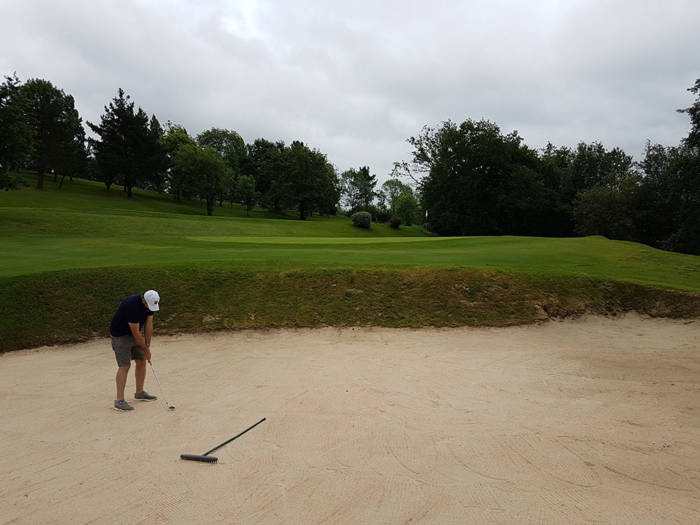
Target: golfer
{"x":135,"y":314}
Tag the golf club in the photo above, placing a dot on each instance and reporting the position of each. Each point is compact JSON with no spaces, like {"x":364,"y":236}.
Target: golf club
{"x":169,"y":406}
{"x":206,"y":458}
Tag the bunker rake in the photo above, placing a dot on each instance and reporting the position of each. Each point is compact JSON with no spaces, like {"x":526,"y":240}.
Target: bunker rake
{"x":206,"y":458}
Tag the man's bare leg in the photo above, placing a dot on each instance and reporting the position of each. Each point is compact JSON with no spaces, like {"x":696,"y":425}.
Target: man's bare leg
{"x":122,"y":372}
{"x":140,"y":373}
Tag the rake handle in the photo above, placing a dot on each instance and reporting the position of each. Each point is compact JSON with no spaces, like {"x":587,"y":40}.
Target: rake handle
{"x":234,"y":437}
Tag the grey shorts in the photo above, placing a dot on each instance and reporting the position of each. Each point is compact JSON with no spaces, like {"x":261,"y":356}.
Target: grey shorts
{"x":125,"y":349}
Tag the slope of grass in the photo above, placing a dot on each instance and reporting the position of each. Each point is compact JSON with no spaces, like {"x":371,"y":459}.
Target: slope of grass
{"x":69,"y":256}
{"x":75,"y":305}
{"x":111,"y":223}
{"x":90,"y":196}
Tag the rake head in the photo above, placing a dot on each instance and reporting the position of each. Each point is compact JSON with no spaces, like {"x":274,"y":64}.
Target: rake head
{"x":195,"y":457}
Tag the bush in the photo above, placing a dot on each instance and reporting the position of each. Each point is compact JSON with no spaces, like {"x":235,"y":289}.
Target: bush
{"x":380,"y":215}
{"x":377,"y":213}
{"x":395,"y":222}
{"x":10,"y":180}
{"x":362,"y":219}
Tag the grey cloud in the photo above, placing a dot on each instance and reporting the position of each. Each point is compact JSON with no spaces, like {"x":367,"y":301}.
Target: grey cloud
{"x":356,"y":79}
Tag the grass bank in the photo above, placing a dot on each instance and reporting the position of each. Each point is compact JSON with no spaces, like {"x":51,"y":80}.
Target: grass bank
{"x":71,"y":306}
{"x":70,"y":255}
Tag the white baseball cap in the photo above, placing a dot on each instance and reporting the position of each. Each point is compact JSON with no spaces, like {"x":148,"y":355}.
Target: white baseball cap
{"x":152,"y":299}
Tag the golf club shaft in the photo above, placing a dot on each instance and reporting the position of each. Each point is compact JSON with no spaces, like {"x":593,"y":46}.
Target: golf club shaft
{"x":158,"y":381}
{"x":234,"y":437}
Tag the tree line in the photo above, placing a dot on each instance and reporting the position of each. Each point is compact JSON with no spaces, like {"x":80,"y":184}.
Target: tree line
{"x":474,"y":180}
{"x":215,"y":166}
{"x":40,"y":130}
{"x":463,"y":179}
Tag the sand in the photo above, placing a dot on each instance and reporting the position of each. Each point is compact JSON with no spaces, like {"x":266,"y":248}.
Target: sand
{"x":591,"y":420}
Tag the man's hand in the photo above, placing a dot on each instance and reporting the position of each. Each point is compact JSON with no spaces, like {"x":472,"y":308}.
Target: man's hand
{"x":140,"y":340}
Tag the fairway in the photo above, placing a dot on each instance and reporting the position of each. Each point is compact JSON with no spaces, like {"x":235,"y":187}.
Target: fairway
{"x":592,"y":257}
{"x":39,"y":241}
{"x":85,"y":226}
{"x":567,"y":422}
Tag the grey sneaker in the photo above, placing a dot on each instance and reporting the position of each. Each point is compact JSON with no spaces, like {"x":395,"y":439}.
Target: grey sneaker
{"x":144,"y":396}
{"x":122,"y":406}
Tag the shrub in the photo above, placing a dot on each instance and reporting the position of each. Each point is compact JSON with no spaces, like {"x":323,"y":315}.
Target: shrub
{"x":380,"y":215}
{"x":395,"y":222}
{"x":362,"y":219}
{"x":10,"y":180}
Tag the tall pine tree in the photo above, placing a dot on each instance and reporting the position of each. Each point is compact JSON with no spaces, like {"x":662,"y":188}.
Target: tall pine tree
{"x":128,"y":151}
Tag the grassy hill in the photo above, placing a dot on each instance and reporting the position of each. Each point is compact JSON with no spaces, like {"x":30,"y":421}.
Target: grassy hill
{"x":70,"y":255}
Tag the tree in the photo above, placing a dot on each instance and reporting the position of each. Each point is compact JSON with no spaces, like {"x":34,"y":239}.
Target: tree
{"x":303,"y":177}
{"x":232,"y":149}
{"x":406,"y":208}
{"x":687,"y":237}
{"x":670,"y":209}
{"x":265,"y":164}
{"x":328,"y":191}
{"x":669,"y":206}
{"x":73,"y":158}
{"x":16,"y":135}
{"x":388,"y":193}
{"x":525,"y":204}
{"x":467,"y":168}
{"x":292,"y":177}
{"x":56,"y":127}
{"x":358,"y":188}
{"x":128,"y":150}
{"x":175,"y":136}
{"x":554,"y":166}
{"x":154,"y":159}
{"x":693,"y":138}
{"x":398,"y":200}
{"x":246,"y":192}
{"x":203,"y":169}
{"x":481,"y":182}
{"x":228,"y":143}
{"x":608,"y":211}
{"x":592,"y":165}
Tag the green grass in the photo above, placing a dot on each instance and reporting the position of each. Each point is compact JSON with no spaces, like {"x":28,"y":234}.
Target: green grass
{"x":53,"y":240}
{"x":68,"y":255}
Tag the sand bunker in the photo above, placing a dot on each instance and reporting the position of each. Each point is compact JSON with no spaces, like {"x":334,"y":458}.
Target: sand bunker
{"x":566,"y":422}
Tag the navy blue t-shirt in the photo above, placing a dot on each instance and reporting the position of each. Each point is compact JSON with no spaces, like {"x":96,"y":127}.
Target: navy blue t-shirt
{"x":131,"y":310}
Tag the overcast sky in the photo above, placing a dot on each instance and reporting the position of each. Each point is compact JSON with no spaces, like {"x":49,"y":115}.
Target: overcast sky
{"x":356,"y":79}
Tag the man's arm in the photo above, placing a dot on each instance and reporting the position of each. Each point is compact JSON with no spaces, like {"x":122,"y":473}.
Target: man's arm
{"x":148,"y":330}
{"x":139,"y":340}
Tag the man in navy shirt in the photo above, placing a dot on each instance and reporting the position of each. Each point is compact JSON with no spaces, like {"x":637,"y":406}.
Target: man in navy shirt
{"x":135,"y":313}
